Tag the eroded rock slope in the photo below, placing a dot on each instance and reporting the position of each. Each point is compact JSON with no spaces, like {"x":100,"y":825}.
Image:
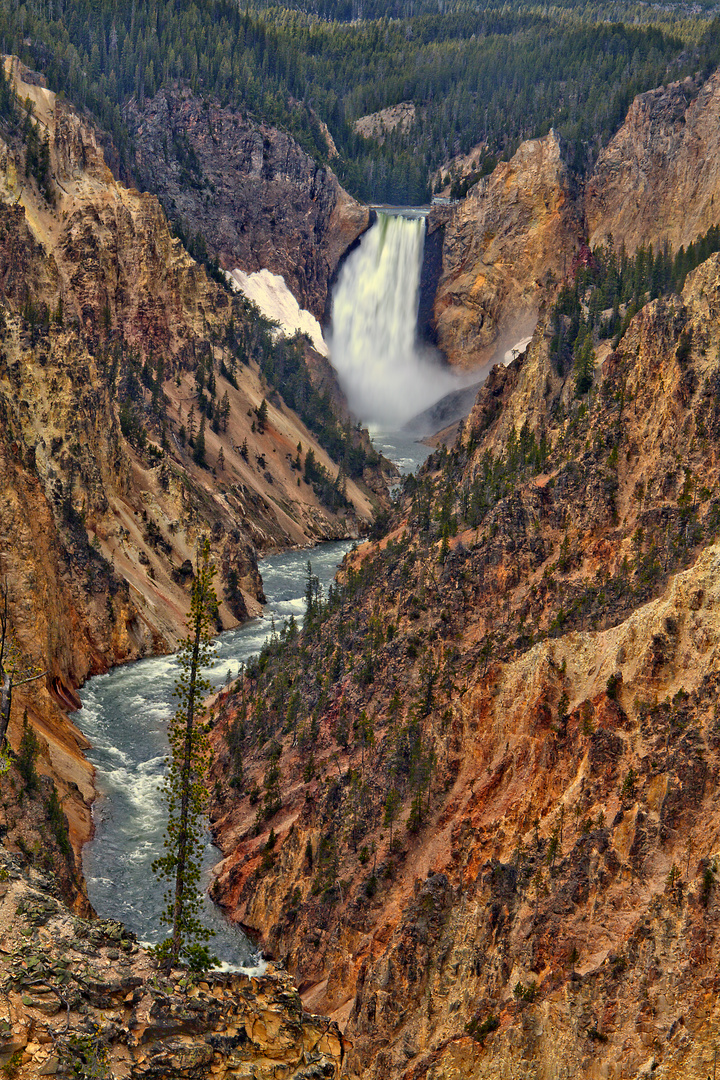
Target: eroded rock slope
{"x":258,"y":200}
{"x":81,"y":998}
{"x":517,"y":230}
{"x":474,"y":808}
{"x":521,"y":231}
{"x":119,"y":355}
{"x":658,"y":181}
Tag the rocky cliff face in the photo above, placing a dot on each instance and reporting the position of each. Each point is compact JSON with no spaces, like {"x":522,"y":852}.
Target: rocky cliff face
{"x":497,"y":756}
{"x":659,"y":178}
{"x":517,"y":230}
{"x":107,"y":325}
{"x":258,"y":200}
{"x":515,"y":237}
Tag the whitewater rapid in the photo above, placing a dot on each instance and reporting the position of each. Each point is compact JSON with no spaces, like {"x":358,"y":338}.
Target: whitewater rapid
{"x":124,"y":715}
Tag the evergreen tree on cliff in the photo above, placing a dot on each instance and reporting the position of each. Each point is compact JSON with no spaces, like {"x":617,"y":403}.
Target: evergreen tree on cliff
{"x":199,"y":454}
{"x":185,"y":784}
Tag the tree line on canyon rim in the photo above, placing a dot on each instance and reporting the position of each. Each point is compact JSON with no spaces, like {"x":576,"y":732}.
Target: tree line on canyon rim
{"x":476,"y":72}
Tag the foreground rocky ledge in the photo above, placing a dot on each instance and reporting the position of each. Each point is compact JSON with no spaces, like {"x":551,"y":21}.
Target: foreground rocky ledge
{"x":82,"y":998}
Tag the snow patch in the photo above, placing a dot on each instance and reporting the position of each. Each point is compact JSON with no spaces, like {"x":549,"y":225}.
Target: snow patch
{"x":278,"y":304}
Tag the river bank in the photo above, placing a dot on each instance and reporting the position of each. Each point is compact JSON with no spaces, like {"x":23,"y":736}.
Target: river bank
{"x":124,"y":718}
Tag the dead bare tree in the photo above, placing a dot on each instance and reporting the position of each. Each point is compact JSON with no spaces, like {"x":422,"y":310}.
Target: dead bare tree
{"x":8,"y":672}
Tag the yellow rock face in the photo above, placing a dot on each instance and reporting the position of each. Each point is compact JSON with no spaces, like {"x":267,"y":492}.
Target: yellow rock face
{"x":659,"y":178}
{"x":516,"y":231}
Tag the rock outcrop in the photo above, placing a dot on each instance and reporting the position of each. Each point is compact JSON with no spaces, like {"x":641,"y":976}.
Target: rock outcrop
{"x":517,"y":231}
{"x":258,"y":200}
{"x":377,"y":125}
{"x":658,"y":180}
{"x":497,"y":846}
{"x":81,"y":998}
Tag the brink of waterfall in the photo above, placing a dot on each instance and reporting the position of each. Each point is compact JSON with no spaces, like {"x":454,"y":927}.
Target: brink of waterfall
{"x":388,"y":375}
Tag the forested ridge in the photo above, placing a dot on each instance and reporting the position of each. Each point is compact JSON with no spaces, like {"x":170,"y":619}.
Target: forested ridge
{"x":476,"y":72}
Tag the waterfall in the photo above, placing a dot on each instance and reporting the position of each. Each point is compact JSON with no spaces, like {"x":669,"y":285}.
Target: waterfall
{"x":386,"y":373}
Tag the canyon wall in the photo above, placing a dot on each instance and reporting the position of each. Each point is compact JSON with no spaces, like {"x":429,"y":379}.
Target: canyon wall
{"x":496,"y":847}
{"x":258,"y":200}
{"x":658,"y":180}
{"x":517,"y":231}
{"x":520,"y":231}
{"x":108,"y":326}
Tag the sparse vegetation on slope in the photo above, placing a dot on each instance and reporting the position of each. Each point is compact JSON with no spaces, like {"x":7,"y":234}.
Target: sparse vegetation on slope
{"x":474,"y":702}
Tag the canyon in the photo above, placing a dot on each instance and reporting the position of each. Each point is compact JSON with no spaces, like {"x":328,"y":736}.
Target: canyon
{"x":102,"y":507}
{"x":497,"y":847}
{"x":494,"y":745}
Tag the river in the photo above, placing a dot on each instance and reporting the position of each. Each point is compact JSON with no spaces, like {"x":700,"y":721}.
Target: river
{"x":125,"y":712}
{"x":125,"y":715}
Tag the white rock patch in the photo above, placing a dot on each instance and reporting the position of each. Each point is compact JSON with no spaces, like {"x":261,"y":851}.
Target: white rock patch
{"x":278,"y":304}
{"x":518,"y":348}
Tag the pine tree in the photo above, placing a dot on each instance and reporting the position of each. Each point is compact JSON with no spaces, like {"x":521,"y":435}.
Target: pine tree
{"x":262,"y":415}
{"x":6,"y":679}
{"x":584,"y":366}
{"x":224,"y":410}
{"x":185,"y":785}
{"x":28,"y":753}
{"x":199,"y":455}
{"x":391,"y":806}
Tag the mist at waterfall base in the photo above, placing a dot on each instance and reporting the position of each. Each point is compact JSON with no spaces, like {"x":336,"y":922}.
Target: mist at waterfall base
{"x":388,"y":376}
{"x":124,"y":715}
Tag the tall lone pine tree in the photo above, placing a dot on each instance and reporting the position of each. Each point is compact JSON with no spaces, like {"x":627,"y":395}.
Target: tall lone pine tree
{"x":185,"y":783}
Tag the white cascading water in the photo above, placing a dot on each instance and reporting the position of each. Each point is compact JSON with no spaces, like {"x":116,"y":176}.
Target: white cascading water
{"x":387,"y":375}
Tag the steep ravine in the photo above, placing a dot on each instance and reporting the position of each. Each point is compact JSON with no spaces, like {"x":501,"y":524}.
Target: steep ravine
{"x":111,"y":335}
{"x":539,"y":689}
